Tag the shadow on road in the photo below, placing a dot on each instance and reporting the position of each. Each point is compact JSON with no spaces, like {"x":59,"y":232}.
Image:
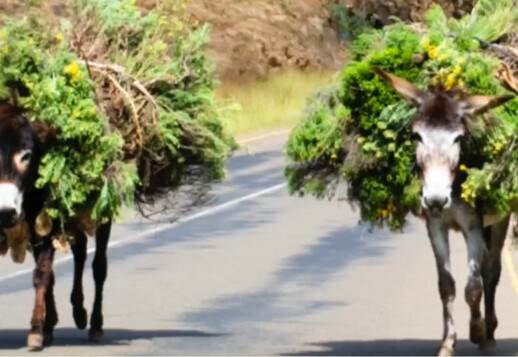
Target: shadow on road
{"x":409,"y":347}
{"x":300,"y":273}
{"x":13,"y":339}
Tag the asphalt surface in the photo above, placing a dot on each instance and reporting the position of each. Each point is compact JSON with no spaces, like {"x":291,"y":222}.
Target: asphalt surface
{"x":257,"y":272}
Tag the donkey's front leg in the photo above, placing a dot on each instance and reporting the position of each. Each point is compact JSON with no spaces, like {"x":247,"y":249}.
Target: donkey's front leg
{"x":475,"y":286}
{"x":42,"y":280}
{"x":438,"y":234}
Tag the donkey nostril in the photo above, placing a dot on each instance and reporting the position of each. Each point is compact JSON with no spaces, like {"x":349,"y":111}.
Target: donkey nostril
{"x":436,"y":203}
{"x":8,"y":217}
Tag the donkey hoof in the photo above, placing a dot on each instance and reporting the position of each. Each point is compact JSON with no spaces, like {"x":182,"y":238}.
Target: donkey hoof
{"x":48,"y":339}
{"x":95,"y":336}
{"x":446,"y":351}
{"x":35,"y":342}
{"x":477,"y":331}
{"x":488,"y":345}
{"x":80,"y":317}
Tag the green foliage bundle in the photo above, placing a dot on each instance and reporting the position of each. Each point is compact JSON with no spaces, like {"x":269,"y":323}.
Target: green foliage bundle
{"x":361,"y":137}
{"x":131,"y":96}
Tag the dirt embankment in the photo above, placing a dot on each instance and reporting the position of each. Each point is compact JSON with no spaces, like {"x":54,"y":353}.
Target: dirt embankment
{"x":253,"y":38}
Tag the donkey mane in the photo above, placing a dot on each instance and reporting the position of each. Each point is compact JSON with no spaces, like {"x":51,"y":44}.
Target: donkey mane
{"x":440,"y":109}
{"x":9,"y":111}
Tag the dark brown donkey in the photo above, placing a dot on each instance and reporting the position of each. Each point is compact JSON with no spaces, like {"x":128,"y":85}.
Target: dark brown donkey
{"x":22,"y":145}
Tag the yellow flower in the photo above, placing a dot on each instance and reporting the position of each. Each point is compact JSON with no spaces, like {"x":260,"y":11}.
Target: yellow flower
{"x":380,"y":213}
{"x":333,"y":156}
{"x":76,"y":114}
{"x":462,"y":167}
{"x":59,"y":37}
{"x":457,"y":69}
{"x":497,"y":148}
{"x":467,"y":194}
{"x":432,"y":52}
{"x":73,"y":70}
{"x":425,"y":42}
{"x":451,"y":81}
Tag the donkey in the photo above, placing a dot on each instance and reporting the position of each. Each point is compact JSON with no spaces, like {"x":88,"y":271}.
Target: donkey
{"x":439,"y":128}
{"x":22,"y":145}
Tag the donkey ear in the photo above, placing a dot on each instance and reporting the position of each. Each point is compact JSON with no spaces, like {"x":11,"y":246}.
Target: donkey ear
{"x":478,"y":104}
{"x":409,"y":91}
{"x":44,"y":133}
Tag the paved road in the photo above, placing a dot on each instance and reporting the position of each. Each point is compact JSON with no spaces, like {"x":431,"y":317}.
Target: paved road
{"x":259,"y":272}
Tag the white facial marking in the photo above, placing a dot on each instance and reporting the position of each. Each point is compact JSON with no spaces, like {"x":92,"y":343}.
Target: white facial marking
{"x":10,"y":197}
{"x":437,"y":154}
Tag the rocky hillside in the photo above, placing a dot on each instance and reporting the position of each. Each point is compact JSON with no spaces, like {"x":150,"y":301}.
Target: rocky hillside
{"x":254,"y":38}
{"x":406,"y":10}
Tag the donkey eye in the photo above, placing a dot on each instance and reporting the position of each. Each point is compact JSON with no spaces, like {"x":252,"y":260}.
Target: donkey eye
{"x":26,"y":156}
{"x":458,"y":138}
{"x":417,"y":137}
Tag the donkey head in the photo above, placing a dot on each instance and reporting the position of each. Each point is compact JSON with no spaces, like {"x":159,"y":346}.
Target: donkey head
{"x":21,"y":146}
{"x":439,"y":128}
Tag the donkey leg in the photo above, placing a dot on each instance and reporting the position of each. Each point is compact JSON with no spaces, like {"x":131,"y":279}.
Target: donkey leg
{"x":43,"y":255}
{"x":474,"y":286}
{"x":491,"y":268}
{"x":438,"y":235}
{"x":51,"y":314}
{"x":100,"y":270}
{"x":77,"y":297}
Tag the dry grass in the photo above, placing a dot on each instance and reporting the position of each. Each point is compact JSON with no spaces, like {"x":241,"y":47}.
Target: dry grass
{"x":272,"y":103}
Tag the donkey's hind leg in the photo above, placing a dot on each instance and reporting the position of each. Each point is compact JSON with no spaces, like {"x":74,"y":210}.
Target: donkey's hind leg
{"x":77,"y":296}
{"x":438,"y":234}
{"x":100,"y":271}
{"x":474,"y":287}
{"x":491,"y":268}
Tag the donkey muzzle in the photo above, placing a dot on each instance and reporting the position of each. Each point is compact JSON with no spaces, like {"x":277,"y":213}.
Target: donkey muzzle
{"x":436,"y":204}
{"x":10,"y":204}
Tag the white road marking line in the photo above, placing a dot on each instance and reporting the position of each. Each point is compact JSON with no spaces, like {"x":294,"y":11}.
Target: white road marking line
{"x":161,"y":227}
{"x":262,"y":137}
{"x":509,"y":264}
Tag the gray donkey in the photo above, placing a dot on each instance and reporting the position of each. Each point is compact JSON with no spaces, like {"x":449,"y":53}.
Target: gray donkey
{"x":439,"y":127}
